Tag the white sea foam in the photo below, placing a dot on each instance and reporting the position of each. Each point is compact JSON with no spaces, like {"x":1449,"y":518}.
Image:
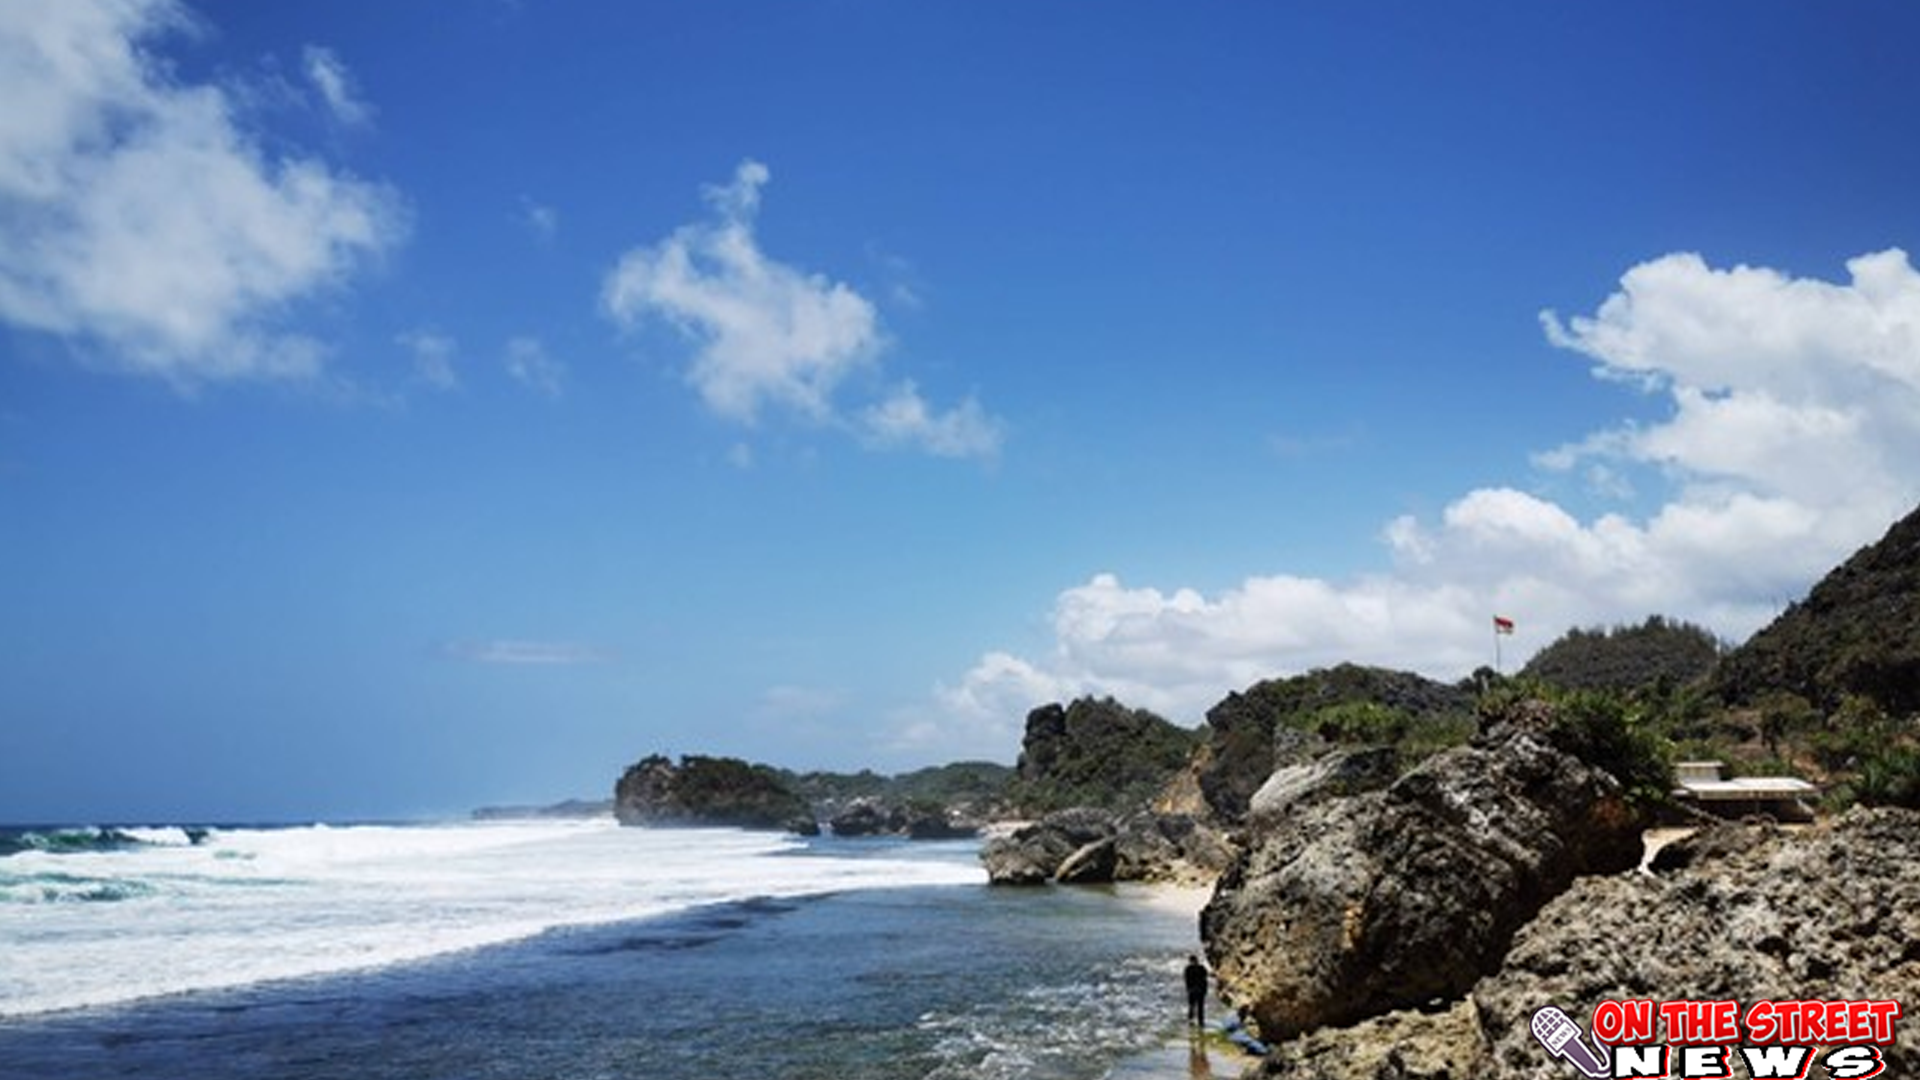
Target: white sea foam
{"x":250,"y":905}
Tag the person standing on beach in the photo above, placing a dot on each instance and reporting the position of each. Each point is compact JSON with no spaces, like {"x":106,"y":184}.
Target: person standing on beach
{"x":1196,"y":976}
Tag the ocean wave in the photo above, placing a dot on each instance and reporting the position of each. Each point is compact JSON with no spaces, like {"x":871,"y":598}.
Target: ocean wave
{"x":69,"y":889}
{"x":96,"y":917}
{"x":1048,"y":1028}
{"x":94,"y":838}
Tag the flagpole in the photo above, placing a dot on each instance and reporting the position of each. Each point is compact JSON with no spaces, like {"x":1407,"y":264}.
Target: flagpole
{"x":1497,"y":668}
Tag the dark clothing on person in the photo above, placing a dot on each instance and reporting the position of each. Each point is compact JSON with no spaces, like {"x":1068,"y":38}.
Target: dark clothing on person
{"x":1196,"y":976}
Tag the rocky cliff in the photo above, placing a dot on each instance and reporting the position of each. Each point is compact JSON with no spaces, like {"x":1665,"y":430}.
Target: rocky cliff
{"x":1096,"y":752}
{"x":1737,"y":913}
{"x":1099,"y":773}
{"x":708,"y":791}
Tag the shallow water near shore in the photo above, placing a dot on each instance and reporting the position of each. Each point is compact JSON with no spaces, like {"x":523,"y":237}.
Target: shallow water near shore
{"x":936,"y":981}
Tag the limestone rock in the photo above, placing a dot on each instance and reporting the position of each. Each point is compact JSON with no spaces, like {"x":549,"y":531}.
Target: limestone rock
{"x":1089,"y":846}
{"x":703,"y":791}
{"x":1033,"y":854}
{"x":1737,"y":912}
{"x":1404,"y":1045}
{"x":1337,"y":773}
{"x":1091,"y":864}
{"x":1352,"y":906}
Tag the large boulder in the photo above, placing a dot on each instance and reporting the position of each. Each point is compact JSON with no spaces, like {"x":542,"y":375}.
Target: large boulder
{"x":917,"y":820}
{"x":1736,"y":913}
{"x":1083,"y":846}
{"x":1032,"y":854}
{"x":1348,"y":907}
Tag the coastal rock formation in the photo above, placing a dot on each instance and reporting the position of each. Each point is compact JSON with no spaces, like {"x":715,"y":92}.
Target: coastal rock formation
{"x":708,"y":791}
{"x":1737,"y":912}
{"x":1032,"y":854}
{"x":916,"y":821}
{"x":1734,"y":913}
{"x":1284,"y":722}
{"x":1098,"y":753}
{"x":1088,"y":846}
{"x":965,"y":794}
{"x":1345,"y":907}
{"x":1334,"y":774}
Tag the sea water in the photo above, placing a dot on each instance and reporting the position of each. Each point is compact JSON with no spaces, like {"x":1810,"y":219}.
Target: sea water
{"x":560,"y":950}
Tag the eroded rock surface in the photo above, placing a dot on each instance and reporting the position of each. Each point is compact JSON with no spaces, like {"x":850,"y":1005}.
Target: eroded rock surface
{"x":1348,"y":907}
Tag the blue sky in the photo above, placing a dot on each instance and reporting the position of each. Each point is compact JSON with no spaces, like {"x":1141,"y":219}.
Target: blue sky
{"x":405,"y":407}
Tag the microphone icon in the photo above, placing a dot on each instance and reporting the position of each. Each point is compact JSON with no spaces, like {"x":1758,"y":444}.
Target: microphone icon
{"x":1561,"y":1036}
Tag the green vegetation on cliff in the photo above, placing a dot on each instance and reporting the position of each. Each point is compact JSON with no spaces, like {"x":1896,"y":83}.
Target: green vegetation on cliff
{"x":1658,"y":652}
{"x":961,"y":783}
{"x":708,"y":791}
{"x":1098,"y":753}
{"x":1857,"y":633}
{"x":1286,"y":721}
{"x":1626,"y":734}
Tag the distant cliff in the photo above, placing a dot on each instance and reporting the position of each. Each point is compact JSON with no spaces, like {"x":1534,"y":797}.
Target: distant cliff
{"x":1101,"y":774}
{"x":1096,"y":752}
{"x":1282,"y":722}
{"x":709,"y":791}
{"x":938,"y":802}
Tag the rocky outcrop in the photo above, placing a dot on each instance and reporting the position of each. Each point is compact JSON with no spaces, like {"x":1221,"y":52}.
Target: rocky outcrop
{"x":1440,"y":1043}
{"x":1735,"y":913}
{"x":1098,"y":753}
{"x":1345,"y":907}
{"x":915,"y":821}
{"x":1333,"y":775}
{"x":702,"y":791}
{"x":1738,"y":912}
{"x":1283,"y":722}
{"x":1088,"y":846}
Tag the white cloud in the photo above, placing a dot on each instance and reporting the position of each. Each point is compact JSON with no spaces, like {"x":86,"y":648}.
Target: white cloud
{"x":542,"y":220}
{"x":905,"y":419}
{"x":139,"y":220}
{"x":527,"y":361}
{"x":768,"y":335}
{"x":433,"y":354}
{"x":1794,"y":420}
{"x":1782,"y":388}
{"x":335,"y":85}
{"x":523,"y":653}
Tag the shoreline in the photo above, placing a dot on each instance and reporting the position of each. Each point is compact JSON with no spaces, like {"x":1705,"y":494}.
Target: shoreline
{"x":1188,"y":1055}
{"x":1205,"y":1056}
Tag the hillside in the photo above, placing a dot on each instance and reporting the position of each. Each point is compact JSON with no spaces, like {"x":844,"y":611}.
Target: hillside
{"x":1656,"y":652}
{"x":1857,"y":633}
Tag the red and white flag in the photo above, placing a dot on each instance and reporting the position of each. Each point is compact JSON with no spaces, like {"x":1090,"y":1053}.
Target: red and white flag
{"x":1502,"y":624}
